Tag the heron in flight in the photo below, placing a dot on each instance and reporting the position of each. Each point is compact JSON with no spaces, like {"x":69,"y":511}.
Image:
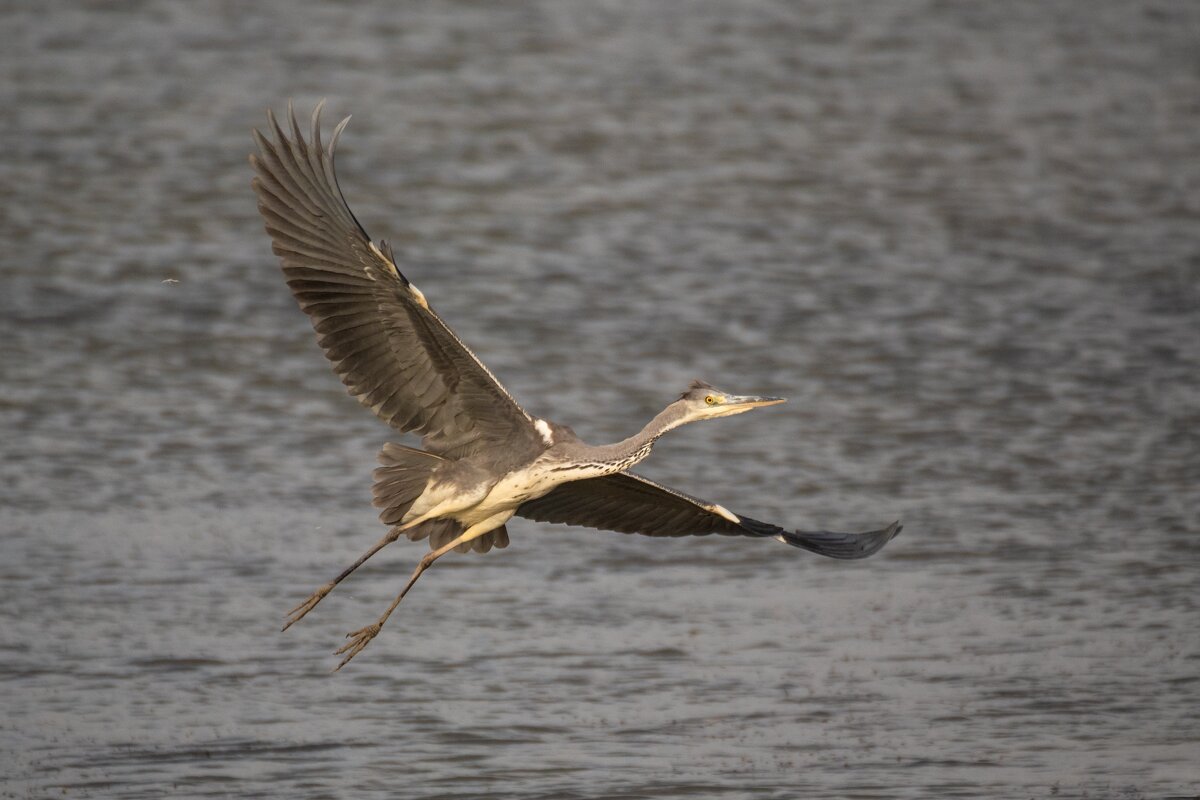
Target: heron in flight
{"x":484,"y":459}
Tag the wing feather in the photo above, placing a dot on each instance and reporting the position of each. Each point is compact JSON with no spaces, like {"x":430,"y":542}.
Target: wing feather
{"x":391,"y":350}
{"x":629,"y":503}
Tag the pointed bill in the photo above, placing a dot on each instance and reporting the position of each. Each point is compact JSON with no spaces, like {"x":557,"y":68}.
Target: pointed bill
{"x":749,"y":401}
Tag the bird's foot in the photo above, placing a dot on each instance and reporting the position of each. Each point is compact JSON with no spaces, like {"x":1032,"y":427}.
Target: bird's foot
{"x":297,"y":613}
{"x":358,"y":640}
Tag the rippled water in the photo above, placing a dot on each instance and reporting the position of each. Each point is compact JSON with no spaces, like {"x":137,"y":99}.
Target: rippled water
{"x":964,"y":239}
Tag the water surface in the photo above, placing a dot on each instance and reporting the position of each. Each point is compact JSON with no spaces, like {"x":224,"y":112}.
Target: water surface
{"x":963,"y":239}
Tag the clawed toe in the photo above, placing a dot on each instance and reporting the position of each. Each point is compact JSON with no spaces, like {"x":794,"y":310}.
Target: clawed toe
{"x":358,"y":640}
{"x":297,"y":613}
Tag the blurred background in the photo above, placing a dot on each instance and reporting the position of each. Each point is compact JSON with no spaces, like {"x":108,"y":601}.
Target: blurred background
{"x":962,"y":238}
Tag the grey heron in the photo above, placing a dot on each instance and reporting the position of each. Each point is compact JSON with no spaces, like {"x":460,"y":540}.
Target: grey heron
{"x":484,"y":459}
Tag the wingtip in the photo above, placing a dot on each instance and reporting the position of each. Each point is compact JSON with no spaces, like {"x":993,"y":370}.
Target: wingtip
{"x":337,"y":132}
{"x":846,"y":546}
{"x":295,"y":125}
{"x":314,"y":126}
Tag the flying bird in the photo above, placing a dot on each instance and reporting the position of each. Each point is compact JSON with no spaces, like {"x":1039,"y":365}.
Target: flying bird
{"x":483,"y":458}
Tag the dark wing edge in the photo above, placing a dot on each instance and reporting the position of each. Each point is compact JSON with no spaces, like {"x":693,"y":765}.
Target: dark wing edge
{"x":846,"y":546}
{"x":393,"y":352}
{"x":629,"y":503}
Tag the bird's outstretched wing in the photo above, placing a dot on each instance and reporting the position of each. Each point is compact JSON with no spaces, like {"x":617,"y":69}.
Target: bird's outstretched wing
{"x":629,"y":503}
{"x":386,"y":344}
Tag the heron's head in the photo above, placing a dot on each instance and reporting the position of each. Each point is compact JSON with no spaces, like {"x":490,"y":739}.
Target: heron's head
{"x":702,"y":401}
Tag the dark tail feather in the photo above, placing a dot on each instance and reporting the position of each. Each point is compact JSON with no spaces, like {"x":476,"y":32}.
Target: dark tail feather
{"x":401,"y":479}
{"x":442,"y":532}
{"x":828,"y":543}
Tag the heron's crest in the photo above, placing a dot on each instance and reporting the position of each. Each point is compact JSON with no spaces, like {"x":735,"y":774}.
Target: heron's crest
{"x":697,"y":387}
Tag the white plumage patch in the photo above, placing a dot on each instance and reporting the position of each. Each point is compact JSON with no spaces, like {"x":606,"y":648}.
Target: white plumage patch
{"x":379,"y":254}
{"x":420,"y":298}
{"x":724,"y":512}
{"x":391,"y":265}
{"x":543,"y":428}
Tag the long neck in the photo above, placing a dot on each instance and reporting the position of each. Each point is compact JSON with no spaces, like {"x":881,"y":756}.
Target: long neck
{"x":627,"y":452}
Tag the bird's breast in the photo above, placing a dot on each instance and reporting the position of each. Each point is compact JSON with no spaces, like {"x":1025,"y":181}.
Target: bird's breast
{"x":519,"y":486}
{"x":538,"y":478}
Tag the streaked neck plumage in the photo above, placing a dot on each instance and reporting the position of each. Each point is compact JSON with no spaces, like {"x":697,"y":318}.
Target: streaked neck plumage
{"x":627,"y":452}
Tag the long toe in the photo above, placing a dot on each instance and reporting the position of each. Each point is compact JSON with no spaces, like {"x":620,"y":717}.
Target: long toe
{"x":358,"y":640}
{"x":297,"y":613}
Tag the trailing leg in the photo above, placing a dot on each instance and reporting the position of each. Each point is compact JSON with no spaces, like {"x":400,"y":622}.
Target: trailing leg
{"x":398,"y":483}
{"x":297,"y":613}
{"x":363,"y":636}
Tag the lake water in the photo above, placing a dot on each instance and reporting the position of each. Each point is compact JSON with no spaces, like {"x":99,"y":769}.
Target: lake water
{"x":963,"y":239}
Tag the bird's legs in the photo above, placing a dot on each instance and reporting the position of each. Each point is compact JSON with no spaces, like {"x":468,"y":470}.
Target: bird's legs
{"x":363,"y":636}
{"x":297,"y":613}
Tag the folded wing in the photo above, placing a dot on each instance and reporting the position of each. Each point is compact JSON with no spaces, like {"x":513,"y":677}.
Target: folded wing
{"x":628,"y":503}
{"x":386,"y":344}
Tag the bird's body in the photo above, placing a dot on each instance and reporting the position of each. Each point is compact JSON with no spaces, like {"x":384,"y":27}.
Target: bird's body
{"x":480,"y":494}
{"x":483,"y":459}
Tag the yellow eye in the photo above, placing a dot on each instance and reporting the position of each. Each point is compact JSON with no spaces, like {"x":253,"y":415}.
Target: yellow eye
{"x":712,"y":401}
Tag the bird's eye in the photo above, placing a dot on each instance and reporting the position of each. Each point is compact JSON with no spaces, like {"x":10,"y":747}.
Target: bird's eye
{"x":712,"y":401}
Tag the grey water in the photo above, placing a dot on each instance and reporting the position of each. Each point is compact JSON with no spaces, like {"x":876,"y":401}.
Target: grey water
{"x":962,"y":238}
